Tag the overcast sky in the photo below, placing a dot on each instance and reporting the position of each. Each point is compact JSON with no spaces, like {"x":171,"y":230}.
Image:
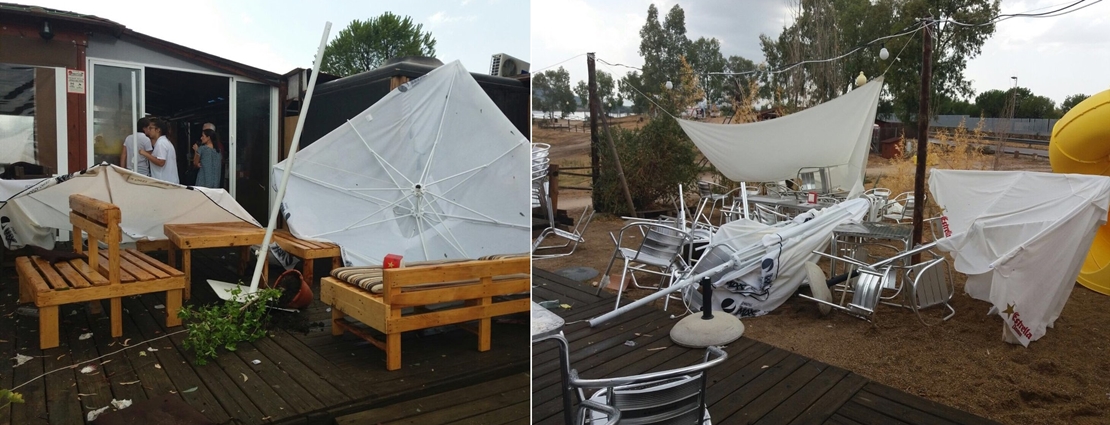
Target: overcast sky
{"x":1053,"y":57}
{"x":279,"y":35}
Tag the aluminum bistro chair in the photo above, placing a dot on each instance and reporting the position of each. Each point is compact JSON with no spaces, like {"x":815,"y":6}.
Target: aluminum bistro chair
{"x":931,"y":285}
{"x":709,"y":199}
{"x":572,"y":237}
{"x":900,"y":208}
{"x":659,"y":253}
{"x":675,"y":396}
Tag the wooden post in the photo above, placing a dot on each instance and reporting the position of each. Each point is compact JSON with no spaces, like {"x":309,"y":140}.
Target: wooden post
{"x":595,"y":144}
{"x":595,"y":111}
{"x":922,"y":136}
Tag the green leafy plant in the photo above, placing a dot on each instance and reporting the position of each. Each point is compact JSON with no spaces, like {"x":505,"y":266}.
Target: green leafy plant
{"x":8,"y":397}
{"x":656,"y":158}
{"x":226,"y":324}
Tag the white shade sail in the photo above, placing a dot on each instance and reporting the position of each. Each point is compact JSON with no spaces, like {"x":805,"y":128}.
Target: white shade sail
{"x":433,"y":170}
{"x":835,"y":134}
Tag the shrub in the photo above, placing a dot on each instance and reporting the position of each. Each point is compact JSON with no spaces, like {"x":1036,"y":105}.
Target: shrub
{"x":226,"y":324}
{"x":656,"y":158}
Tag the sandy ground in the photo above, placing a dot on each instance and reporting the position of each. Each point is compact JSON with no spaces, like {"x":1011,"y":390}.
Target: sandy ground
{"x":1062,"y":378}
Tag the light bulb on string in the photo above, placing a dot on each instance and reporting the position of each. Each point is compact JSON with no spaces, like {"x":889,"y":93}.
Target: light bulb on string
{"x":883,"y":53}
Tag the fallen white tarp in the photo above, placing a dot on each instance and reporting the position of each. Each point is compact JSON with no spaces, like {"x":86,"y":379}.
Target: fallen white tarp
{"x":1021,"y":237}
{"x":431,"y":171}
{"x":834,"y":134}
{"x":10,"y":188}
{"x":146,"y":204}
{"x":764,"y":285}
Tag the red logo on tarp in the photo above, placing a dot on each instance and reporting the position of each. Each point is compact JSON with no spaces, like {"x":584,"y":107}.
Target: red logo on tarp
{"x":944,"y":226}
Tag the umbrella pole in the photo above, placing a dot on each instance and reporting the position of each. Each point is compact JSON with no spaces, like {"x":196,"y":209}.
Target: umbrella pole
{"x":218,"y":287}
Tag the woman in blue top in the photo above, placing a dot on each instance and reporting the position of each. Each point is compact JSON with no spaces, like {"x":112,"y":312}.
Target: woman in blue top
{"x":208,"y":159}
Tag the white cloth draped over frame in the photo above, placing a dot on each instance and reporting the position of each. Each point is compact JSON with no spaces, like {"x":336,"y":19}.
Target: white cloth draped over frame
{"x":1021,"y":237}
{"x":833,"y":134}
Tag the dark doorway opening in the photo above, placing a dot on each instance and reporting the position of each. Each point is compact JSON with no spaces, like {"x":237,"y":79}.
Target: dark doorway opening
{"x":188,"y":100}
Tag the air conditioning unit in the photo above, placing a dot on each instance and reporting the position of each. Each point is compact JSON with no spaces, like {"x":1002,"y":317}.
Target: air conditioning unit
{"x":503,"y":65}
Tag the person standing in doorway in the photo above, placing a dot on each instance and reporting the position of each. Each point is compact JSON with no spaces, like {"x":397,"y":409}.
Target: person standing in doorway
{"x":163,"y":159}
{"x":141,"y":165}
{"x":208,"y":159}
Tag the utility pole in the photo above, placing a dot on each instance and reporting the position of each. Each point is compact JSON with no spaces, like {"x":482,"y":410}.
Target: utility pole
{"x":922,"y":134}
{"x":595,"y":113}
{"x":595,"y":166}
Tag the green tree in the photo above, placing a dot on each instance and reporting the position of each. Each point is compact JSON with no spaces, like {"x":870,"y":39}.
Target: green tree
{"x":606,"y":92}
{"x":705,"y":57}
{"x":661,"y":46}
{"x":365,"y":45}
{"x":631,"y":86}
{"x":829,"y":28}
{"x":551,"y":92}
{"x":656,"y":158}
{"x":992,"y":103}
{"x":1071,"y":101}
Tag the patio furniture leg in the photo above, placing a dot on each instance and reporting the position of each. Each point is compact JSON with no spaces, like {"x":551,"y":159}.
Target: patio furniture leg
{"x":173,"y":305}
{"x":485,"y":327}
{"x":117,"y":317}
{"x":48,"y":327}
{"x":393,"y":351}
{"x":308,"y":271}
{"x":187,"y":266}
{"x":336,"y":330}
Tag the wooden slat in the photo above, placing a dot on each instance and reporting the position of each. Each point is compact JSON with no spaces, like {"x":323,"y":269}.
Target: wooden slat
{"x":355,"y":302}
{"x":25,"y":267}
{"x":52,"y":277}
{"x":831,"y":401}
{"x":939,"y":410}
{"x":33,"y":409}
{"x":469,"y":291}
{"x":449,"y":407}
{"x":176,"y":366}
{"x":456,"y":315}
{"x":129,"y":272}
{"x":139,"y":256}
{"x":96,"y":231}
{"x":110,"y":291}
{"x":806,"y":396}
{"x":128,"y":257}
{"x":75,"y":279}
{"x":95,"y":209}
{"x":454,"y":272}
{"x":82,"y":267}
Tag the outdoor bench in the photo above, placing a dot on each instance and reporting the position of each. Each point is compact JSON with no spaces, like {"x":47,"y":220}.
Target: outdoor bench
{"x":407,"y":292}
{"x":307,"y":251}
{"x":118,"y":273}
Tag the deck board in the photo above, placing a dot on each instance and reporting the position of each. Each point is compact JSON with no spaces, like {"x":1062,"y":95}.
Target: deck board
{"x":303,"y":376}
{"x":757,"y":383}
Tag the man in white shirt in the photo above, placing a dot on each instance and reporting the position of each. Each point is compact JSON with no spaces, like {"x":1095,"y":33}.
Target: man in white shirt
{"x":142,"y":165}
{"x":163,"y":159}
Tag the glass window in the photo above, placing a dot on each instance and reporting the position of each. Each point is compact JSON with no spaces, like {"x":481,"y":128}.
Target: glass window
{"x":28,"y":132}
{"x":113,"y":112}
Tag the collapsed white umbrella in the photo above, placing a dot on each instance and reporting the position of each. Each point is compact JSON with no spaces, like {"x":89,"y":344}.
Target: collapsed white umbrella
{"x":1021,"y":238}
{"x":147,"y":204}
{"x":739,"y":255}
{"x":431,"y":171}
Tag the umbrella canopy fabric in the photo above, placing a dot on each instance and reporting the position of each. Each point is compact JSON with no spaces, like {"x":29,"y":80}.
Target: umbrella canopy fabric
{"x":834,"y":134}
{"x":146,"y":204}
{"x":433,"y":170}
{"x":1021,"y":237}
{"x":776,"y":258}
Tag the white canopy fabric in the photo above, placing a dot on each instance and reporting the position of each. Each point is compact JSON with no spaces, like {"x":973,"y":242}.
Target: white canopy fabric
{"x":145,"y":204}
{"x":433,"y":170}
{"x":1021,"y":237}
{"x":782,"y":251}
{"x":834,"y":134}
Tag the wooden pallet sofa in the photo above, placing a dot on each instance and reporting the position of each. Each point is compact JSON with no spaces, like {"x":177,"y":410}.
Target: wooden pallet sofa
{"x":405,"y":292}
{"x":118,"y":273}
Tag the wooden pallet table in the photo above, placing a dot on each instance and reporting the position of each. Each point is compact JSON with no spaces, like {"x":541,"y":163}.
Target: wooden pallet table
{"x":308,"y":251}
{"x":187,"y":237}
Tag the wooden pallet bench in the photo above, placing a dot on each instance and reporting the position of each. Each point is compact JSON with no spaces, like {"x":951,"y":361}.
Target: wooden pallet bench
{"x":117,"y":273}
{"x":475,"y":283}
{"x":307,"y":251}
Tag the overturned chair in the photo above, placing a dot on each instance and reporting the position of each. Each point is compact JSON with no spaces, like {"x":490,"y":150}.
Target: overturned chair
{"x":930,"y":285}
{"x":570,"y":238}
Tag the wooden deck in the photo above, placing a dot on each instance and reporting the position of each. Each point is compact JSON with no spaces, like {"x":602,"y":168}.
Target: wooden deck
{"x":303,"y":375}
{"x":757,"y":384}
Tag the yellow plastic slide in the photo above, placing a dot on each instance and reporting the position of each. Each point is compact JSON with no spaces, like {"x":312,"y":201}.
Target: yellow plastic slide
{"x":1081,"y":144}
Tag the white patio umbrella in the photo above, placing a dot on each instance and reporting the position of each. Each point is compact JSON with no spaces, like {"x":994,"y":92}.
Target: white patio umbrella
{"x":31,"y":217}
{"x":772,"y":257}
{"x":433,"y":170}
